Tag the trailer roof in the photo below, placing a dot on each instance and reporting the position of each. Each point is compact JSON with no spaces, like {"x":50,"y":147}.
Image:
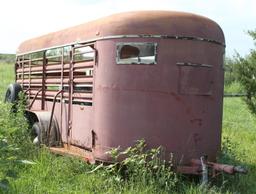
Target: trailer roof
{"x":130,"y":23}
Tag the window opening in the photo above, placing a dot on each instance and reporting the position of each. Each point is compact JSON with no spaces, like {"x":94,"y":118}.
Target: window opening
{"x":136,"y":53}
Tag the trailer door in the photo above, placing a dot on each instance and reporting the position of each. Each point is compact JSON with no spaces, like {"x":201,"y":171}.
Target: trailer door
{"x":80,"y":107}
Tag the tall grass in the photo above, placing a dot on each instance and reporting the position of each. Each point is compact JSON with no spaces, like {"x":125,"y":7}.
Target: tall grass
{"x":239,"y":144}
{"x":58,"y":174}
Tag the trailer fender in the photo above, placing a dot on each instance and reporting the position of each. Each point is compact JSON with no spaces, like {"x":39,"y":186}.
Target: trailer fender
{"x":40,"y":122}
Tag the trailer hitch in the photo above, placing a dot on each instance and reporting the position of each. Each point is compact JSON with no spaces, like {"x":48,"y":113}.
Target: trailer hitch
{"x":229,"y":169}
{"x":204,"y":167}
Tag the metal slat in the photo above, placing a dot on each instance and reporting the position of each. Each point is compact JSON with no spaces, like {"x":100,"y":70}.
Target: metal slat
{"x":77,"y":95}
{"x":84,"y":64}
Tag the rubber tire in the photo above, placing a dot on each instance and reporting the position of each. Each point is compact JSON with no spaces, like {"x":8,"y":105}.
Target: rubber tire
{"x":12,"y":93}
{"x":40,"y":133}
{"x":36,"y":133}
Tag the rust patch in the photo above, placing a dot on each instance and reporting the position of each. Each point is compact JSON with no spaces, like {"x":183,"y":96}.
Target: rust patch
{"x":196,"y":121}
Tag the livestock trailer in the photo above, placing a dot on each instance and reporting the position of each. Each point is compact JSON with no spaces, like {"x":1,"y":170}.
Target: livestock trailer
{"x":152,"y":75}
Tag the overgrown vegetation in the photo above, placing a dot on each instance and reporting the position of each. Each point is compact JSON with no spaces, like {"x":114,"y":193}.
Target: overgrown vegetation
{"x":141,"y":165}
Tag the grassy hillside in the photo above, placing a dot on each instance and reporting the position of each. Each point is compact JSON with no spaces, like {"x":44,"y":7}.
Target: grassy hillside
{"x":57,"y":174}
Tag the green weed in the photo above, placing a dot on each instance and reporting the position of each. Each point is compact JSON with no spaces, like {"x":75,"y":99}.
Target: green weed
{"x":143,"y":166}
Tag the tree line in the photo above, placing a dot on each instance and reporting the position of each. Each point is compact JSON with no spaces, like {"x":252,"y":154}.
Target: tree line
{"x":7,"y":58}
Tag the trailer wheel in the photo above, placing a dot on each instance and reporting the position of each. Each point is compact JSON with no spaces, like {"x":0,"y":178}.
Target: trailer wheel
{"x":36,"y":133}
{"x":39,"y":135}
{"x":12,"y":93}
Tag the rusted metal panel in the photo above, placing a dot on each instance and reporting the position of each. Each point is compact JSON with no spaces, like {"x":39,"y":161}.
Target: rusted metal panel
{"x":147,"y":100}
{"x":82,"y":129}
{"x":74,"y":151}
{"x":189,"y":85}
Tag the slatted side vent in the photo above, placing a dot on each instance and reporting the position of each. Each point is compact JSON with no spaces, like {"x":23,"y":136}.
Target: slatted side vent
{"x":52,"y":70}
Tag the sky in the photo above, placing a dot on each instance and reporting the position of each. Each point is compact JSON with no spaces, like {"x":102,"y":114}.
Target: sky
{"x":25,"y":19}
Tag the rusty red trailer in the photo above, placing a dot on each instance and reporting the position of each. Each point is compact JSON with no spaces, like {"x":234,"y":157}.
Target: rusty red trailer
{"x":153,"y":75}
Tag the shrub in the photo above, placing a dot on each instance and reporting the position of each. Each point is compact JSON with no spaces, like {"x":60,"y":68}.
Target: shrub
{"x":139,"y":165}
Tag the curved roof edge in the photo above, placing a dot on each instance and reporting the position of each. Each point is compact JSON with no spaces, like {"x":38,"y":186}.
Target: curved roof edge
{"x":130,"y":23}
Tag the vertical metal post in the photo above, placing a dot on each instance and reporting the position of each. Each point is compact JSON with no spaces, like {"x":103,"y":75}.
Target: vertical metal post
{"x":51,"y":118}
{"x":22,"y":63}
{"x":62,"y":88}
{"x":15,"y":68}
{"x":43,"y":81}
{"x":70,"y":99}
{"x":29,"y":76}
